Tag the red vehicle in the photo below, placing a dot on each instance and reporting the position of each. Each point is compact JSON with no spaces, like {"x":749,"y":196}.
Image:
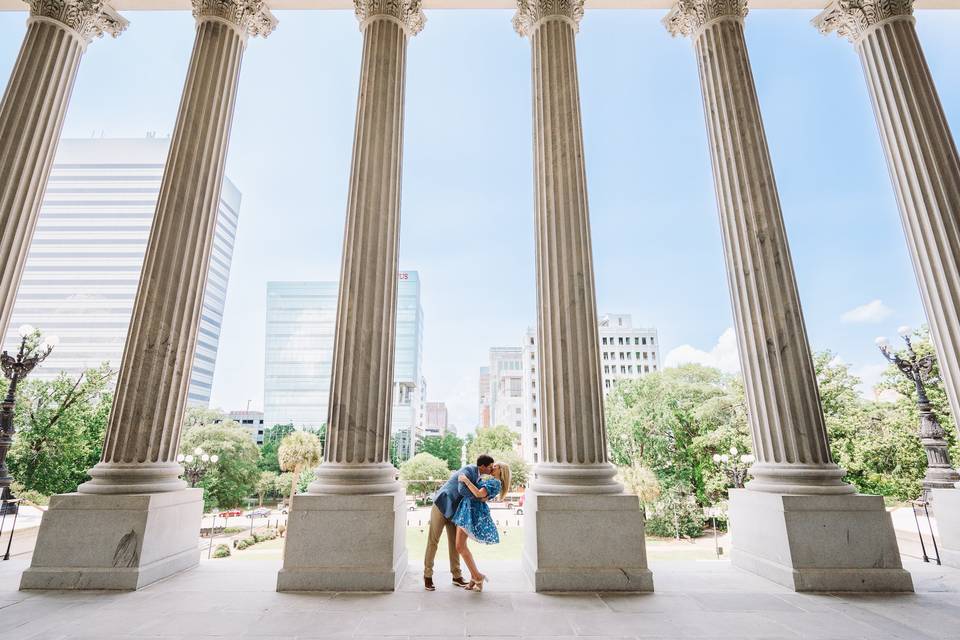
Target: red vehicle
{"x":231,"y":514}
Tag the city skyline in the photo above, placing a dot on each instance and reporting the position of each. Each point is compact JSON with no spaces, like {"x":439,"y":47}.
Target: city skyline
{"x":467,"y":221}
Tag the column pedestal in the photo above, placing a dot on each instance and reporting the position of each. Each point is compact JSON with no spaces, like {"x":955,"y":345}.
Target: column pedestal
{"x":946,"y":509}
{"x":345,"y":543}
{"x":115,"y":541}
{"x":817,"y":542}
{"x":585,"y":543}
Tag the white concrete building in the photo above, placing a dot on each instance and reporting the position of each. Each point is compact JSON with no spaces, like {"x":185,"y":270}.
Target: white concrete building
{"x":252,"y":421}
{"x":435,"y":423}
{"x":626,"y":353}
{"x":84,"y":264}
{"x":483,"y":414}
{"x":506,"y":388}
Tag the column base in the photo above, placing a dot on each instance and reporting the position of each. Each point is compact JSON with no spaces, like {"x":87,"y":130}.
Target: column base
{"x":345,"y":543}
{"x":585,"y":543}
{"x":946,"y":509}
{"x":114,"y":541}
{"x":817,"y":542}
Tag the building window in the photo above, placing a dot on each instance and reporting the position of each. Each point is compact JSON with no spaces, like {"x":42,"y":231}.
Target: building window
{"x":606,"y":383}
{"x":629,"y":355}
{"x":646,"y":368}
{"x":518,"y":423}
{"x":654,"y":367}
{"x":638,"y":355}
{"x":623,"y":369}
{"x":604,"y":341}
{"x":621,"y":340}
{"x":629,"y":368}
{"x":644,"y":341}
{"x":653,"y":355}
{"x":651,"y":340}
{"x":535,"y":442}
{"x":621,"y":356}
{"x":644,"y":355}
{"x":518,"y":410}
{"x":535,"y":457}
{"x":534,"y":412}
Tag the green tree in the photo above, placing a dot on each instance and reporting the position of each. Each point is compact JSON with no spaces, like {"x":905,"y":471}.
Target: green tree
{"x":266,"y":485}
{"x":235,"y":474}
{"x":673,"y":421}
{"x":488,"y":439}
{"x":298,"y":451}
{"x":60,"y":429}
{"x":199,"y":416}
{"x":448,"y":448}
{"x":519,"y":469}
{"x":423,"y":473}
{"x":271,"y":443}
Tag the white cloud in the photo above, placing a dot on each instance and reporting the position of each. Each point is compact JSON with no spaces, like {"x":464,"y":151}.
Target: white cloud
{"x":723,"y":355}
{"x":873,"y":311}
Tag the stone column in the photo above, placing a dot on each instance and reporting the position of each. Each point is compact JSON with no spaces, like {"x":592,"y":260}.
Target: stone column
{"x":348,"y":533}
{"x":575,"y":482}
{"x":139,"y":509}
{"x":925,"y":171}
{"x":32,"y":110}
{"x":794,"y":469}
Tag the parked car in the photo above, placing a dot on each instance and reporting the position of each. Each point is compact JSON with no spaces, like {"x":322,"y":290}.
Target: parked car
{"x":262,"y":512}
{"x":233,"y":513}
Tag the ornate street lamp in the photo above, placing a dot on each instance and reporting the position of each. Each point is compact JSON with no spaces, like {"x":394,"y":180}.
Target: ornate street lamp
{"x":33,"y":350}
{"x":196,"y":465}
{"x":735,"y":465}
{"x":940,"y":474}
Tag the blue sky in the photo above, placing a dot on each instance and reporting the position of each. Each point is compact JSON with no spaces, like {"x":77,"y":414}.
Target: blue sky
{"x":467,"y":183}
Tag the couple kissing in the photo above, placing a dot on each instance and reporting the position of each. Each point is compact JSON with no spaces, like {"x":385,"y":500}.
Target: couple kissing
{"x":460,"y":507}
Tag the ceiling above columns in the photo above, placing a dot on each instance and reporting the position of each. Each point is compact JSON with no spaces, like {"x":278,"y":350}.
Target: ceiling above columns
{"x":184,"y":5}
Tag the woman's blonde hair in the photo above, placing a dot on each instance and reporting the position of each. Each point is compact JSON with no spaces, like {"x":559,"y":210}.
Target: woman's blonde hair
{"x":504,"y":480}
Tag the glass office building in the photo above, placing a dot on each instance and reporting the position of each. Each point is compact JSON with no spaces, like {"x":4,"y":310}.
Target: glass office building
{"x":84,"y":264}
{"x":301,"y":319}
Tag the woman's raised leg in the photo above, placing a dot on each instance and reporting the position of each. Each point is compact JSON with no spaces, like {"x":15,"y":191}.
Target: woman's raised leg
{"x":464,"y":550}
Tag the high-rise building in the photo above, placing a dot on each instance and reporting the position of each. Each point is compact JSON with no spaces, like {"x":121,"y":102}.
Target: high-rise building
{"x":626,"y":353}
{"x":506,"y":387}
{"x":484,"y":394}
{"x":301,"y":320}
{"x":84,"y":264}
{"x":436,"y":419}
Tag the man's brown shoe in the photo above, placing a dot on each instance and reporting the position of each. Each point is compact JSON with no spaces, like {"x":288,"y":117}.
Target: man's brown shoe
{"x":459,"y":582}
{"x":428,"y":584}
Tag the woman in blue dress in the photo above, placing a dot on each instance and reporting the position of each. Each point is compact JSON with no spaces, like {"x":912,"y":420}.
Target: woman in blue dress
{"x":473,"y":518}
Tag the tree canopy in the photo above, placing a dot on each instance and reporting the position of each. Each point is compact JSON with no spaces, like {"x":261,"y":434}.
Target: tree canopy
{"x":60,"y":429}
{"x":489,"y":439}
{"x":234,"y":476}
{"x":424,"y":473}
{"x":448,"y":448}
{"x":299,"y":451}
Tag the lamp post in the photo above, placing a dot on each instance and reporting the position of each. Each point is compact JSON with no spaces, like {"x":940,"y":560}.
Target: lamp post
{"x":33,"y":350}
{"x":735,"y":465}
{"x":195,"y":465}
{"x":940,"y":474}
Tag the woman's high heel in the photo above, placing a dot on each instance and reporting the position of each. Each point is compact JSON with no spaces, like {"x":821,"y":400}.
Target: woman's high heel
{"x":478,"y":584}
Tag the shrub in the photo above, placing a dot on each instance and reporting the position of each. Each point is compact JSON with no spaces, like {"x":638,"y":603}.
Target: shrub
{"x":221,"y":551}
{"x":243,"y":544}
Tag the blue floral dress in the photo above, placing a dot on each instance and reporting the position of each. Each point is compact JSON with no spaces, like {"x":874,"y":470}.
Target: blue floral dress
{"x":473,"y":515}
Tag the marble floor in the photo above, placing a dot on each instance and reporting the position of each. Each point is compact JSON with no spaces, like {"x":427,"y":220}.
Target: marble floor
{"x":697,"y":599}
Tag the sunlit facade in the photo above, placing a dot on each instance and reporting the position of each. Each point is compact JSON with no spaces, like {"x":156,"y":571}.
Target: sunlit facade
{"x":87,"y":252}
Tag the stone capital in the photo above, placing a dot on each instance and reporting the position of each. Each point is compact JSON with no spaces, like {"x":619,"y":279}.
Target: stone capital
{"x":249,"y":17}
{"x":530,"y":13}
{"x":687,"y":17}
{"x":88,"y":18}
{"x":407,"y":13}
{"x":852,"y":18}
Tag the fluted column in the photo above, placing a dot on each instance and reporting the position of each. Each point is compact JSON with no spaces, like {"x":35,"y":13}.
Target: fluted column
{"x":921,"y":156}
{"x":786,"y":419}
{"x":357,"y":455}
{"x":31,"y":116}
{"x":139,"y":455}
{"x":573,"y":428}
